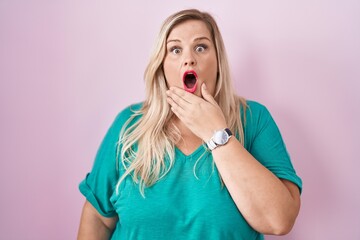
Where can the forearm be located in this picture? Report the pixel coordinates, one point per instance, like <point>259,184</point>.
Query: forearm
<point>262,198</point>
<point>267,203</point>
<point>93,227</point>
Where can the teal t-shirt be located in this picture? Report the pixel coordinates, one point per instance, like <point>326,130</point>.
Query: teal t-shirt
<point>183,205</point>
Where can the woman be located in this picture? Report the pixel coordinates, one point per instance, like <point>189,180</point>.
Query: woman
<point>193,161</point>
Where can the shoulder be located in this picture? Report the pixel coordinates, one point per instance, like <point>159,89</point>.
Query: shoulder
<point>254,106</point>
<point>257,118</point>
<point>129,113</point>
<point>256,111</point>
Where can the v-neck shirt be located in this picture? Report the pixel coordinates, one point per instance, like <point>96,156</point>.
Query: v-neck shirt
<point>190,201</point>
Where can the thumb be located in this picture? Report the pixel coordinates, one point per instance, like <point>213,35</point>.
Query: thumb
<point>206,95</point>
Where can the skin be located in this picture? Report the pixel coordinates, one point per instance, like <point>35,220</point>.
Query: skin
<point>188,44</point>
<point>93,226</point>
<point>269,204</point>
<point>190,47</point>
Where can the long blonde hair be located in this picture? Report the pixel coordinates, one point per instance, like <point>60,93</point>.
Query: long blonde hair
<point>143,145</point>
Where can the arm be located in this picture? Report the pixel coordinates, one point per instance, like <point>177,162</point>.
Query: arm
<point>270,205</point>
<point>93,225</point>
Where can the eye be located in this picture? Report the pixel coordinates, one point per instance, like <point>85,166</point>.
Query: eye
<point>175,50</point>
<point>201,48</point>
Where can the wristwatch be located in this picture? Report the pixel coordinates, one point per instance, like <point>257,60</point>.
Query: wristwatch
<point>219,138</point>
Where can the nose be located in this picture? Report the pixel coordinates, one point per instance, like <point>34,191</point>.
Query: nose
<point>189,59</point>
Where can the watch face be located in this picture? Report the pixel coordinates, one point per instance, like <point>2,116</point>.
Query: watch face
<point>221,137</point>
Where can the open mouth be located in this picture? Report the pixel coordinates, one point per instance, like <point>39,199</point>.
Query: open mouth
<point>190,81</point>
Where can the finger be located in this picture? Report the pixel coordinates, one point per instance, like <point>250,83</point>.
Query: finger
<point>178,112</point>
<point>189,97</point>
<point>172,103</point>
<point>206,95</point>
<point>178,99</point>
<point>175,107</point>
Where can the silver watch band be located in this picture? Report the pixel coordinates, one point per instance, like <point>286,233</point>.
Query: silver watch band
<point>220,137</point>
<point>211,144</point>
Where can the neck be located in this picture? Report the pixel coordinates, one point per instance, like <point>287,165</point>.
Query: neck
<point>189,141</point>
<point>184,130</point>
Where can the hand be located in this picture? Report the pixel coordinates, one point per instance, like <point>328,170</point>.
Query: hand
<point>202,116</point>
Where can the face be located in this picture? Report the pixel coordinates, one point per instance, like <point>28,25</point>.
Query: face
<point>190,58</point>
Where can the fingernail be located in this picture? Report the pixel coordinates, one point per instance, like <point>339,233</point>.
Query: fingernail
<point>204,86</point>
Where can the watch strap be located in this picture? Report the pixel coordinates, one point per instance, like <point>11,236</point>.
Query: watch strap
<point>212,144</point>
<point>228,132</point>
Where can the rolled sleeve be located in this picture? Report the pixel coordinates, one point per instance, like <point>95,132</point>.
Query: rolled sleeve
<point>99,184</point>
<point>266,144</point>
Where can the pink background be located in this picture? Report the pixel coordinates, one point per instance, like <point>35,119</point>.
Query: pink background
<point>68,67</point>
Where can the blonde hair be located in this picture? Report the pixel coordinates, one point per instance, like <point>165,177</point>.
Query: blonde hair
<point>153,132</point>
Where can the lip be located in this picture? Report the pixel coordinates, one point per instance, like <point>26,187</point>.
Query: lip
<point>193,89</point>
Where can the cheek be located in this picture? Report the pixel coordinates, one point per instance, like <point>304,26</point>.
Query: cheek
<point>167,71</point>
<point>211,76</point>
<point>214,64</point>
<point>171,72</point>
<point>211,73</point>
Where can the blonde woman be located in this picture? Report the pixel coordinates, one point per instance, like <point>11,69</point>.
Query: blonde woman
<point>193,161</point>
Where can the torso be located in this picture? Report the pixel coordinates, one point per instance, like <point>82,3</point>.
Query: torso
<point>190,202</point>
<point>188,146</point>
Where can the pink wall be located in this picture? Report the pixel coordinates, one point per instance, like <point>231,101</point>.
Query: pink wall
<point>68,67</point>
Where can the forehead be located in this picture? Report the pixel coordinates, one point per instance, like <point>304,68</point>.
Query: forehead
<point>190,29</point>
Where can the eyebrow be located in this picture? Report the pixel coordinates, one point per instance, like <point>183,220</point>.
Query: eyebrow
<point>195,40</point>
